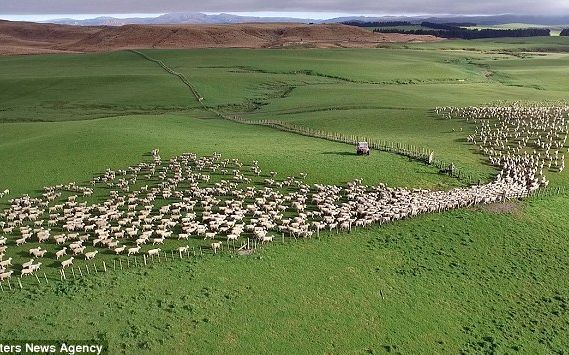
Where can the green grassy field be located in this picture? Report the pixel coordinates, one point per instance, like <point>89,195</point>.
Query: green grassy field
<point>482,280</point>
<point>78,87</point>
<point>507,46</point>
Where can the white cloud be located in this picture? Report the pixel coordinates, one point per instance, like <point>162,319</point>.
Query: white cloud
<point>525,7</point>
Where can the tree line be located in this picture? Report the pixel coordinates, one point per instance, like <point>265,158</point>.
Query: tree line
<point>402,24</point>
<point>452,31</point>
<point>377,23</point>
<point>565,32</point>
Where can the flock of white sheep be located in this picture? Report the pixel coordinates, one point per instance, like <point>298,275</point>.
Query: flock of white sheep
<point>135,210</point>
<point>524,141</point>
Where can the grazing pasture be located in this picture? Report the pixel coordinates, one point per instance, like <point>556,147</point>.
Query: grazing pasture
<point>479,279</point>
<point>80,87</point>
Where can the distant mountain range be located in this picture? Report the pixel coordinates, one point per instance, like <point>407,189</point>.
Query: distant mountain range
<point>200,18</point>
<point>176,19</point>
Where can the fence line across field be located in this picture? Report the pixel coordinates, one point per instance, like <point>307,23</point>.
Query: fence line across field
<point>421,154</point>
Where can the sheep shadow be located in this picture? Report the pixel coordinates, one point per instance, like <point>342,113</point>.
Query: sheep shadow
<point>340,153</point>
<point>54,264</point>
<point>24,254</point>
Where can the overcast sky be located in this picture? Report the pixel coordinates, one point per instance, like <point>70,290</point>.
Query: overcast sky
<point>376,7</point>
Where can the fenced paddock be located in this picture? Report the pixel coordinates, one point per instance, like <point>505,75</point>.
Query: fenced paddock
<point>190,197</point>
<point>420,154</point>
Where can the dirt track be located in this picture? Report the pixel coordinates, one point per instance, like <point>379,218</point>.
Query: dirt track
<point>33,38</point>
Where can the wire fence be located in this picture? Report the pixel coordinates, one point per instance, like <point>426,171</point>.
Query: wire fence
<point>410,151</point>
<point>93,267</point>
<point>548,192</point>
<point>96,267</point>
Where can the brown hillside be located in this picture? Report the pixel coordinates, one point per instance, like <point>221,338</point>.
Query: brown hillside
<point>31,38</point>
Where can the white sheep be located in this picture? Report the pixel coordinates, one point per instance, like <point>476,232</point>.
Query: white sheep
<point>76,245</point>
<point>216,246</point>
<point>7,262</point>
<point>6,275</point>
<point>79,250</point>
<point>67,263</point>
<point>61,253</point>
<point>91,255</point>
<point>133,251</point>
<point>35,267</point>
<point>158,241</point>
<point>39,253</point>
<point>26,272</point>
<point>153,252</point>
<point>27,264</point>
<point>42,237</point>
<point>182,250</point>
<point>183,236</point>
<point>267,239</point>
<point>210,235</point>
<point>60,240</point>
<point>119,250</point>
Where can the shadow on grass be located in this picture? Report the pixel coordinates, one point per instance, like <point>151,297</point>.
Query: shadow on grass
<point>339,153</point>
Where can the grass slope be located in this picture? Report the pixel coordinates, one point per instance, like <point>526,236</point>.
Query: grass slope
<point>487,280</point>
<point>449,283</point>
<point>78,87</point>
<point>39,154</point>
<point>382,94</point>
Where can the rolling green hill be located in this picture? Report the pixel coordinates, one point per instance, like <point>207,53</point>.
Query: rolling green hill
<point>489,279</point>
